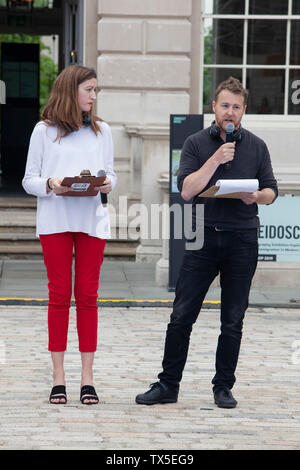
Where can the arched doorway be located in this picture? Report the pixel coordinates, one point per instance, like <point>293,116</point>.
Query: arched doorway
<point>60,20</point>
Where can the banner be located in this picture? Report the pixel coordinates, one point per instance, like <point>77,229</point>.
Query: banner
<point>279,232</point>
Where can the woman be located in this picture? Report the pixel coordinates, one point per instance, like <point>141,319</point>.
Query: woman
<point>71,138</point>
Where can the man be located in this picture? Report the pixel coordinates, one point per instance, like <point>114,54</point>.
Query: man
<point>230,243</point>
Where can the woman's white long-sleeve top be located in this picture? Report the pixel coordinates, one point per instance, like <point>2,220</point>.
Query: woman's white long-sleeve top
<point>50,157</point>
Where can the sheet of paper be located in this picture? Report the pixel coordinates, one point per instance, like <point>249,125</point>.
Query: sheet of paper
<point>236,186</point>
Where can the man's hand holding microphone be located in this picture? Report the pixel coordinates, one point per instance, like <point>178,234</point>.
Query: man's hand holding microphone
<point>225,153</point>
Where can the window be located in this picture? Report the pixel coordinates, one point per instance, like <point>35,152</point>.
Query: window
<point>258,42</point>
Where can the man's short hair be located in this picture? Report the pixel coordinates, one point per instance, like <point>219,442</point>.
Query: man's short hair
<point>234,86</point>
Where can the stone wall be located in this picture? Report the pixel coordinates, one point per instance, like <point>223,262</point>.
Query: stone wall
<point>148,55</point>
<point>144,75</point>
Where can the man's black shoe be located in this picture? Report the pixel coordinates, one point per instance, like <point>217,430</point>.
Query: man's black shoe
<point>158,393</point>
<point>224,398</point>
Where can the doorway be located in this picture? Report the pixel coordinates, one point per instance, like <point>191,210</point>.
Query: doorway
<point>37,40</point>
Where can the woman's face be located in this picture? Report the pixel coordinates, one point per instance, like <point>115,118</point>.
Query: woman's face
<point>87,94</point>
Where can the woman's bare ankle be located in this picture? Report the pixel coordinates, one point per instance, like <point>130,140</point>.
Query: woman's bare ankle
<point>58,377</point>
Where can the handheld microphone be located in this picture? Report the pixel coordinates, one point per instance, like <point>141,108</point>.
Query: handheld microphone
<point>229,138</point>
<point>229,132</point>
<point>103,195</point>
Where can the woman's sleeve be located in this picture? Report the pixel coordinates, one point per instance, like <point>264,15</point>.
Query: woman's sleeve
<point>32,182</point>
<point>109,156</point>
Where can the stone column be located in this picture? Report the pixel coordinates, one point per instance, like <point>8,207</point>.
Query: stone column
<point>144,76</point>
<point>91,20</point>
<point>162,265</point>
<point>154,160</point>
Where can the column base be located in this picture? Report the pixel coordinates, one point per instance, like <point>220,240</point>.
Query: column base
<point>148,254</point>
<point>162,272</point>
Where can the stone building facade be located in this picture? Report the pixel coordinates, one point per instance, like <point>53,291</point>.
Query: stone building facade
<point>148,55</point>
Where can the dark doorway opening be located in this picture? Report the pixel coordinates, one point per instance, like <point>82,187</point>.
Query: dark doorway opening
<point>20,73</point>
<point>59,19</point>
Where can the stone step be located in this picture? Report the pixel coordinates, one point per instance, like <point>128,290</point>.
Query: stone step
<point>17,218</point>
<point>7,230</point>
<point>25,202</point>
<point>9,236</point>
<point>26,248</point>
<point>18,232</point>
<point>26,217</point>
<point>27,237</point>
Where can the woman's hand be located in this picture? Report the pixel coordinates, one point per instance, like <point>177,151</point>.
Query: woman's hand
<point>105,188</point>
<point>57,188</point>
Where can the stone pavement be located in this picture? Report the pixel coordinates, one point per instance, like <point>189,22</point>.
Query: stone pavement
<point>124,280</point>
<point>129,357</point>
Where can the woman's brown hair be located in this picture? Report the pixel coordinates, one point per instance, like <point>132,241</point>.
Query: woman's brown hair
<point>62,109</point>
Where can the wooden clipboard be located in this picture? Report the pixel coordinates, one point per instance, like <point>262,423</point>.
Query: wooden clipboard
<point>83,185</point>
<point>211,192</point>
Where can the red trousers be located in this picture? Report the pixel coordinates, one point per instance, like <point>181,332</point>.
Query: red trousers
<point>58,257</point>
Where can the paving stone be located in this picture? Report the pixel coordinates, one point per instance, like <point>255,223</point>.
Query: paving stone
<point>131,342</point>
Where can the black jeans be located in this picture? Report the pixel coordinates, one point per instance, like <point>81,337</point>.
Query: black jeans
<point>233,254</point>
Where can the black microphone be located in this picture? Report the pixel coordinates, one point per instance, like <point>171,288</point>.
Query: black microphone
<point>229,138</point>
<point>103,195</point>
<point>229,132</point>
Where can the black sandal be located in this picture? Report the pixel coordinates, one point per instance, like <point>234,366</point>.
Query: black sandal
<point>88,392</point>
<point>58,392</point>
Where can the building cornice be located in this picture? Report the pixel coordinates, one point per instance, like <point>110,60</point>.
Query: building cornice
<point>148,132</point>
